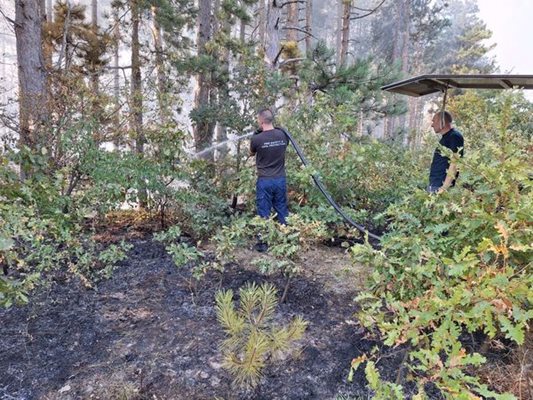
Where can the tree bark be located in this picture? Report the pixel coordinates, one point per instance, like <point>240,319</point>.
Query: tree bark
<point>46,16</point>
<point>262,13</point>
<point>136,91</point>
<point>340,14</point>
<point>405,67</point>
<point>223,91</point>
<point>49,10</point>
<point>345,38</point>
<point>116,72</point>
<point>95,73</point>
<point>33,104</point>
<point>204,127</point>
<point>308,25</point>
<point>400,54</point>
<point>272,34</point>
<point>292,21</point>
<point>242,32</point>
<point>160,67</point>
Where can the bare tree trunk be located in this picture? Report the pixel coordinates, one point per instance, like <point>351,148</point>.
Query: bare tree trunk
<point>116,72</point>
<point>340,17</point>
<point>42,12</point>
<point>308,25</point>
<point>49,10</point>
<point>345,38</point>
<point>399,54</point>
<point>94,13</point>
<point>292,21</point>
<point>94,70</point>
<point>159,63</point>
<point>405,67</point>
<point>136,91</point>
<point>203,130</point>
<point>262,14</point>
<point>65,50</point>
<point>273,26</point>
<point>242,31</point>
<point>33,104</point>
<point>223,94</point>
<point>46,38</point>
<point>217,93</point>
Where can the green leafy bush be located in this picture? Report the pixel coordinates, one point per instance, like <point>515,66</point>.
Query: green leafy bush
<point>362,174</point>
<point>38,238</point>
<point>285,243</point>
<point>454,263</point>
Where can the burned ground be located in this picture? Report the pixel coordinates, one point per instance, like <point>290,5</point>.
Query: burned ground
<point>143,334</point>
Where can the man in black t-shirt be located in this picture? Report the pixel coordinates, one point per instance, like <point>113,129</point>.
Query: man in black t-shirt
<point>269,146</point>
<point>443,173</point>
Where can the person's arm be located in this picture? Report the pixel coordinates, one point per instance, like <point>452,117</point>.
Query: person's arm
<point>252,147</point>
<point>450,176</point>
<point>456,146</point>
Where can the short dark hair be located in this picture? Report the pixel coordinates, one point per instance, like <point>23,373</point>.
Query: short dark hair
<point>266,115</point>
<point>446,115</point>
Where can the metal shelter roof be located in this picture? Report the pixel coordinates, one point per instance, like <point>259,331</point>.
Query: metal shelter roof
<point>427,84</point>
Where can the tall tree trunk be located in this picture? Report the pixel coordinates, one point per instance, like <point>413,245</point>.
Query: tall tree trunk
<point>65,51</point>
<point>347,8</point>
<point>242,32</point>
<point>204,127</point>
<point>116,73</point>
<point>399,53</point>
<point>262,14</point>
<point>42,12</point>
<point>95,73</point>
<point>33,104</point>
<point>159,63</point>
<point>136,91</point>
<point>292,21</point>
<point>405,67</point>
<point>50,10</point>
<point>46,16</point>
<point>340,11</point>
<point>308,25</point>
<point>272,35</point>
<point>223,91</point>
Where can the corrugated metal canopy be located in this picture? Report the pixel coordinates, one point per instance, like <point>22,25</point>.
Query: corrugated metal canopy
<point>427,84</point>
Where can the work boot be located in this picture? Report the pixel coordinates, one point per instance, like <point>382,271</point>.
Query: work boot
<point>261,247</point>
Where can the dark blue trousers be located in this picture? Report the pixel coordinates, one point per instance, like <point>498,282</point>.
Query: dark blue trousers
<point>272,193</point>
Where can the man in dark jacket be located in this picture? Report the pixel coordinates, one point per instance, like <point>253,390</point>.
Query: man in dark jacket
<point>269,146</point>
<point>443,172</point>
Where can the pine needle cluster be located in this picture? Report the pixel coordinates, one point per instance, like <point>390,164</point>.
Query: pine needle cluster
<point>253,337</point>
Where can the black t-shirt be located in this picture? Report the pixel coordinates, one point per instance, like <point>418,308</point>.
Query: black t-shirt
<point>440,164</point>
<point>269,147</point>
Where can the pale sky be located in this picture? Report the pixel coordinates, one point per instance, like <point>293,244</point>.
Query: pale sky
<point>511,23</point>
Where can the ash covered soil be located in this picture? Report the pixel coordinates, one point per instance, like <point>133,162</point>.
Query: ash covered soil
<point>143,334</point>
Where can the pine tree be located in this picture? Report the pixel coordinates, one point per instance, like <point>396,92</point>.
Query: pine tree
<point>462,47</point>
<point>252,335</point>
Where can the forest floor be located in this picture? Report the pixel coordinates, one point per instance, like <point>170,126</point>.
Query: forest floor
<point>143,334</point>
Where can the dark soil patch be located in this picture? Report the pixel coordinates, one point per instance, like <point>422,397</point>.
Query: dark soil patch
<point>142,334</point>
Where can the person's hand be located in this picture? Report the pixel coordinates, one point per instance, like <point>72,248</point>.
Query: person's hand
<point>441,190</point>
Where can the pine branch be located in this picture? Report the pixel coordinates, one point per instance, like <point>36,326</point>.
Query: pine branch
<point>231,322</point>
<point>249,302</point>
<point>267,298</point>
<point>282,337</point>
